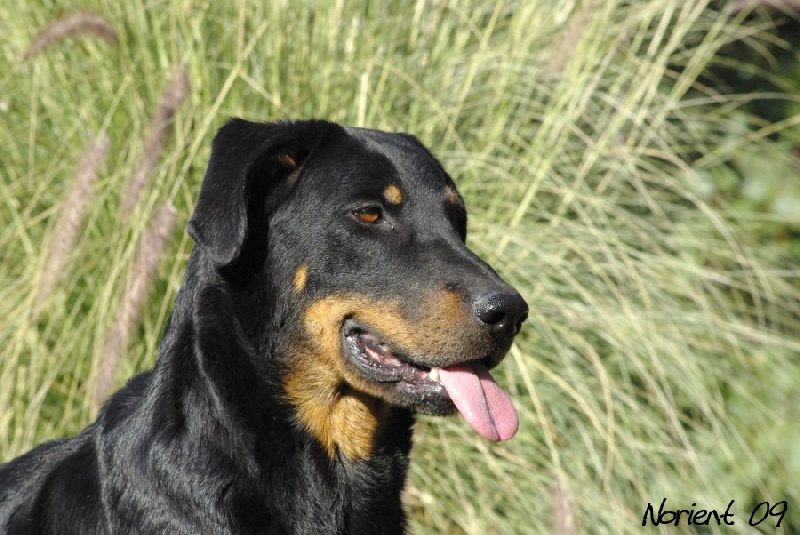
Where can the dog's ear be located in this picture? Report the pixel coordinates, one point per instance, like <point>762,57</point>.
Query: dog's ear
<point>249,161</point>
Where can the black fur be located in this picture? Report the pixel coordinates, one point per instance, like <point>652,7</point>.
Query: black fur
<point>207,442</point>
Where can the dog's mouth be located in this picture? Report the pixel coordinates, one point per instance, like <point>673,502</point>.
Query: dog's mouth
<point>466,386</point>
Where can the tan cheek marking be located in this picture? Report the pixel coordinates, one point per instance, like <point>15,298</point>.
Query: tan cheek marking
<point>355,422</point>
<point>300,277</point>
<point>339,418</point>
<point>342,410</point>
<point>442,326</point>
<point>452,195</point>
<point>393,194</point>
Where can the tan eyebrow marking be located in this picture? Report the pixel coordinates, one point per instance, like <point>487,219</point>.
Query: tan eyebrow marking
<point>393,194</point>
<point>452,195</point>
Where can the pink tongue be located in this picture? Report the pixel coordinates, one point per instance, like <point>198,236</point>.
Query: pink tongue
<point>479,399</point>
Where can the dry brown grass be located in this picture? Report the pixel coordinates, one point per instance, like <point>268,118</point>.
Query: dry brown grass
<point>153,245</point>
<point>158,133</point>
<point>67,227</point>
<point>71,25</point>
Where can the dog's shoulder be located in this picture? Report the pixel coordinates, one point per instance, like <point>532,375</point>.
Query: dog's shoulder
<point>62,472</point>
<point>57,485</point>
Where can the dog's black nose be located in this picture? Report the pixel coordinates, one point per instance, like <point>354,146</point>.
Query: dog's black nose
<point>503,313</point>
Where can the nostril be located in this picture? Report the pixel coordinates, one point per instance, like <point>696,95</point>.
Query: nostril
<point>520,321</point>
<point>523,315</point>
<point>491,316</point>
<point>501,312</point>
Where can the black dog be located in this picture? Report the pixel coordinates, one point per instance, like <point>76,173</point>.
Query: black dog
<point>329,298</point>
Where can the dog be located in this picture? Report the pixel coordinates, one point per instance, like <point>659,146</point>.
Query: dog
<point>329,298</point>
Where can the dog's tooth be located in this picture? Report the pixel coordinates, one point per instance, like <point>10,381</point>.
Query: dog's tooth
<point>434,375</point>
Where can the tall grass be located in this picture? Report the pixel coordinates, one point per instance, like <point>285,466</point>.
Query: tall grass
<point>660,357</point>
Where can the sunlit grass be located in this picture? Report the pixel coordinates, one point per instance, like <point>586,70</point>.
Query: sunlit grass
<point>660,357</point>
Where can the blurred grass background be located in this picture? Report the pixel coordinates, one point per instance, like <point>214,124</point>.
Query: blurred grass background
<point>632,167</point>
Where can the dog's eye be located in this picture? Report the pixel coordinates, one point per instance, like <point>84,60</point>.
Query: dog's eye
<point>368,215</point>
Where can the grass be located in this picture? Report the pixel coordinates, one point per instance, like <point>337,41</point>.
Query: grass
<point>660,357</point>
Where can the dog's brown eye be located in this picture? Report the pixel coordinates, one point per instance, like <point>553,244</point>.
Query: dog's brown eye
<point>368,215</point>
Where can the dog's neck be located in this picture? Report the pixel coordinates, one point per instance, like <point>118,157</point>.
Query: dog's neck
<point>238,407</point>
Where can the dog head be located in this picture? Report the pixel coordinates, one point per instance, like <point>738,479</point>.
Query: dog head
<point>359,236</point>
